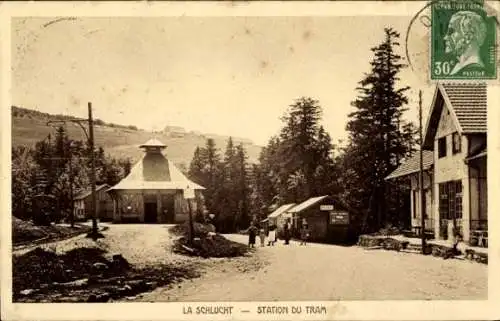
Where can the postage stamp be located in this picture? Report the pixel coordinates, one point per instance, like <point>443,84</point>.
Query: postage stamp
<point>463,41</point>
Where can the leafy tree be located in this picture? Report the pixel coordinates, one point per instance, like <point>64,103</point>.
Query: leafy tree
<point>298,163</point>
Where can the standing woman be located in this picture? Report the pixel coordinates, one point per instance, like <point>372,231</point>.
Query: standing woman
<point>272,235</point>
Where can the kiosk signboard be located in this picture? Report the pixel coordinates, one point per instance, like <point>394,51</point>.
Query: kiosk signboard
<point>339,218</point>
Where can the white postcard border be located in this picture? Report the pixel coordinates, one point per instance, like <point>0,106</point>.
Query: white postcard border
<point>345,310</point>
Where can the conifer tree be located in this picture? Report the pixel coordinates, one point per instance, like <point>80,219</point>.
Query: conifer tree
<point>377,137</point>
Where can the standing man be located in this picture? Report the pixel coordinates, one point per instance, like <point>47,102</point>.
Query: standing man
<point>287,231</point>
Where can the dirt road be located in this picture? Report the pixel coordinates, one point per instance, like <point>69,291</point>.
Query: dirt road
<point>327,272</point>
<point>312,272</point>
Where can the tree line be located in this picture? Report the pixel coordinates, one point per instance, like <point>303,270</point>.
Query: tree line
<point>53,167</point>
<point>302,162</point>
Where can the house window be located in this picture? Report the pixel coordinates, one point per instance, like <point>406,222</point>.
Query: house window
<point>442,147</point>
<point>450,200</point>
<point>443,201</point>
<point>457,143</point>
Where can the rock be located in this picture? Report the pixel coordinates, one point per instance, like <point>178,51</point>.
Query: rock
<point>77,283</point>
<point>27,291</point>
<point>92,298</point>
<point>104,297</point>
<point>100,265</point>
<point>137,285</point>
<point>151,285</point>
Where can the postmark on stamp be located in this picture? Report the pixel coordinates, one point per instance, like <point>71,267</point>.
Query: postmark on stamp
<point>463,41</point>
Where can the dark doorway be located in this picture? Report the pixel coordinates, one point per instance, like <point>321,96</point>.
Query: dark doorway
<point>150,212</point>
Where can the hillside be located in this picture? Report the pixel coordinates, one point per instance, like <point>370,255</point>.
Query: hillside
<point>30,126</point>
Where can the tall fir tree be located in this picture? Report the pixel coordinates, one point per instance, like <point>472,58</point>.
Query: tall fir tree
<point>242,188</point>
<point>377,137</point>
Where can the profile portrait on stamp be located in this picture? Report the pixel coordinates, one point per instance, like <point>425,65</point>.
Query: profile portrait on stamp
<point>463,41</point>
<point>465,36</point>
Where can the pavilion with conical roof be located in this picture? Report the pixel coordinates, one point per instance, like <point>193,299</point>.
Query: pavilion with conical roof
<point>153,191</point>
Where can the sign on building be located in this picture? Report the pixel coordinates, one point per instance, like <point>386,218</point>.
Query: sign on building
<point>326,207</point>
<point>339,218</point>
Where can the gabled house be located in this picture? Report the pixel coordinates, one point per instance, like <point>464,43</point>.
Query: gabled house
<point>104,204</point>
<point>153,191</point>
<point>327,218</point>
<point>455,169</point>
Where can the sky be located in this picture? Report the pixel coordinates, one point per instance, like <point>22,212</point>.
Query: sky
<point>225,75</point>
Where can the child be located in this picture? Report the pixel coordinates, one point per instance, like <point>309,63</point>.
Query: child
<point>252,233</point>
<point>262,234</point>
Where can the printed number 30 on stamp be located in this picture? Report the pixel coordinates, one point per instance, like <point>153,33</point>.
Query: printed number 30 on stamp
<point>463,41</point>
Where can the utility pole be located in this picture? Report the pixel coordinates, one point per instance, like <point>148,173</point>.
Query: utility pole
<point>189,193</point>
<point>93,207</point>
<point>421,172</point>
<point>191,225</point>
<point>71,179</point>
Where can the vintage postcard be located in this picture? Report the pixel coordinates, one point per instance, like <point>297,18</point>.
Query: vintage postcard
<point>250,160</point>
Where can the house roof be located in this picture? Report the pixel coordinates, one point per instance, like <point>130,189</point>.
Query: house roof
<point>155,171</point>
<point>280,210</point>
<point>308,203</point>
<point>88,191</point>
<point>467,104</point>
<point>153,142</point>
<point>412,164</point>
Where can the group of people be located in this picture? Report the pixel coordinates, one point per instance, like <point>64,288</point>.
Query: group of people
<point>254,231</point>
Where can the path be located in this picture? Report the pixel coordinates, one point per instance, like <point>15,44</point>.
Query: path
<point>140,244</point>
<point>327,272</point>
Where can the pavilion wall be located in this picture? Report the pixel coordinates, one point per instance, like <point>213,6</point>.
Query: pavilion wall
<point>129,205</point>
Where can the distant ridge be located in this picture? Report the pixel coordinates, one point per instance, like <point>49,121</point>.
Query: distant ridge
<point>30,126</point>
